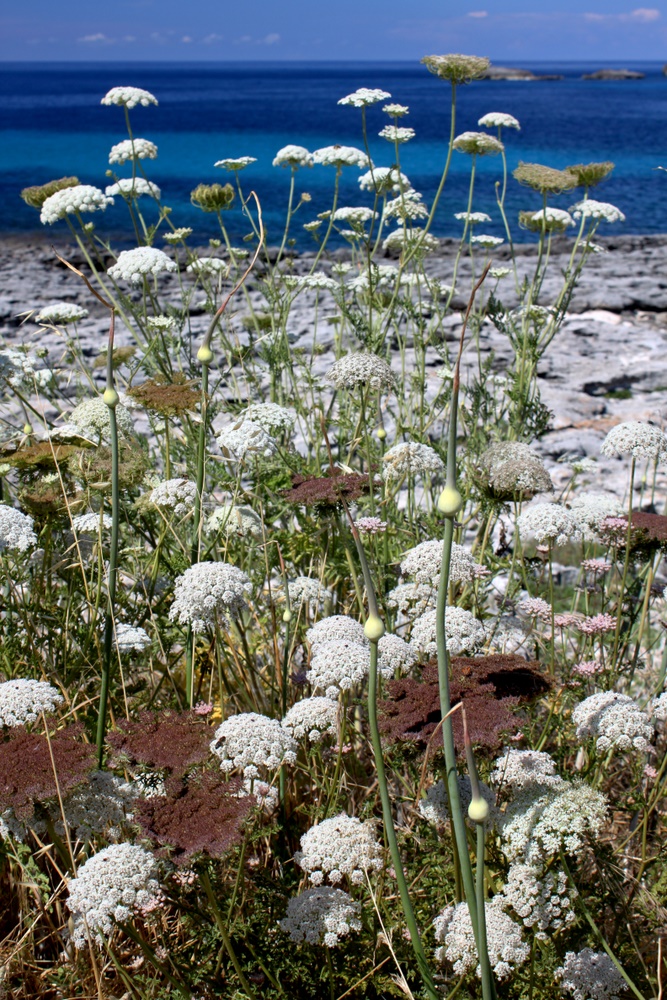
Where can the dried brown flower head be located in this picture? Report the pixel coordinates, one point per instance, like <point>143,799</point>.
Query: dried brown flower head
<point>170,741</point>
<point>546,180</point>
<point>327,491</point>
<point>27,771</point>
<point>45,497</point>
<point>94,466</point>
<point>590,174</point>
<point>41,454</point>
<point>119,356</point>
<point>203,816</point>
<point>457,68</point>
<point>648,529</point>
<point>491,687</point>
<point>168,398</point>
<point>36,195</point>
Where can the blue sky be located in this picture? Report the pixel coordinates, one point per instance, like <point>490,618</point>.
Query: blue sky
<point>516,30</point>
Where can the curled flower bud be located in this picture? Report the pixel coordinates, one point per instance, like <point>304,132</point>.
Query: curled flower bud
<point>212,197</point>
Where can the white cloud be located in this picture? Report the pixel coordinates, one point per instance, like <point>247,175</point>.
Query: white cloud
<point>212,39</point>
<point>641,15</point>
<point>130,38</point>
<point>645,14</point>
<point>478,13</point>
<point>98,37</point>
<point>271,39</point>
<point>186,38</point>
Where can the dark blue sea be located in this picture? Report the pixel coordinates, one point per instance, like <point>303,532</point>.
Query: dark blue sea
<point>52,124</point>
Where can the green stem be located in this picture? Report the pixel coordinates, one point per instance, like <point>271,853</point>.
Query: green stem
<point>226,940</point>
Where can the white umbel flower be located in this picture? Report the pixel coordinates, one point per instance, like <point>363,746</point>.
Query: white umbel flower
<point>395,654</point>
<point>177,494</point>
<point>109,888</point>
<point>208,265</point>
<point>384,180</point>
<point>553,219</point>
<point>244,439</point>
<point>100,806</point>
<point>340,156</point>
<point>498,119</point>
<point>354,215</point>
<point>364,97</point>
<point>336,627</point>
<point>412,599</point>
<point>312,719</point>
<point>434,807</point>
<point>543,902</point>
<point>361,369</point>
<point>506,948</point>
<point>519,768</point>
<point>293,156</point>
<point>406,207</point>
<point>60,314</point>
<point>339,847</point>
<point>659,707</point>
<point>135,265</point>
<point>424,561</point>
<point>133,187</point>
<point>405,238</point>
<point>542,821</point>
<point>233,520</point>
<point>636,438</point>
<point>472,218</point>
<point>486,242</point>
<point>23,700</point>
<point>409,458</point>
<point>130,638</point>
<point>234,164</point>
<point>73,201</point>
<point>590,975</point>
<point>91,522</point>
<point>19,370</point>
<point>91,419</point>
<point>477,144</point>
<point>16,531</point>
<point>305,590</point>
<point>321,916</point>
<point>614,720</point>
<point>275,419</point>
<point>208,592</point>
<point>396,134</point>
<point>254,743</point>
<point>548,524</point>
<point>590,509</point>
<point>132,149</point>
<point>590,209</point>
<point>464,633</point>
<point>337,665</point>
<point>128,97</point>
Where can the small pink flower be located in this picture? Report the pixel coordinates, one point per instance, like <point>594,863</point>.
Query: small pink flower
<point>370,525</point>
<point>535,607</point>
<point>597,624</point>
<point>596,566</point>
<point>650,772</point>
<point>566,620</point>
<point>203,708</point>
<point>587,668</point>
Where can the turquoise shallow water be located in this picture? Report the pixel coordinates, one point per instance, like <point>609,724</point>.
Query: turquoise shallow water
<point>51,123</point>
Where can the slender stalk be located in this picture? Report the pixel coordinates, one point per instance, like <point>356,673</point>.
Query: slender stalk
<point>224,934</point>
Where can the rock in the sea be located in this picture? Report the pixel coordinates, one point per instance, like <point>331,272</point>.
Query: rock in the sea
<point>614,74</point>
<point>514,73</point>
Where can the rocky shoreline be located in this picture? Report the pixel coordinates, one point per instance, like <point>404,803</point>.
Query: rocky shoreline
<point>608,363</point>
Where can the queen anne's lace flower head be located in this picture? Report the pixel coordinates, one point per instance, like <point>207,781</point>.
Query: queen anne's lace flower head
<point>548,524</point>
<point>411,599</point>
<point>337,665</point>
<point>408,206</point>
<point>414,238</point>
<point>109,887</point>
<point>590,209</point>
<point>128,97</point>
<point>275,419</point>
<point>177,494</point>
<point>293,156</point>
<point>457,68</point>
<point>101,806</point>
<point>396,134</point>
<point>72,201</point>
<point>60,314</point>
<point>19,370</point>
<point>208,265</point>
<point>305,590</point>
<point>454,932</point>
<point>16,531</point>
<point>363,98</point>
<point>590,510</point>
<point>464,633</point>
<point>544,903</point>
<point>135,265</point>
<point>133,187</point>
<point>614,720</point>
<point>424,561</point>
<point>341,156</point>
<point>396,110</point>
<point>354,215</point>
<point>486,242</point>
<point>477,144</point>
<point>498,119</point>
<point>235,520</point>
<point>590,975</point>
<point>542,821</point>
<point>636,438</point>
<point>245,438</point>
<point>518,768</point>
<point>384,180</point>
<point>91,419</point>
<point>132,149</point>
<point>552,219</point>
<point>472,218</point>
<point>91,522</point>
<point>336,627</point>
<point>130,638</point>
<point>234,164</point>
<point>209,591</point>
<point>410,458</point>
<point>321,916</point>
<point>23,700</point>
<point>434,807</point>
<point>312,719</point>
<point>659,707</point>
<point>395,654</point>
<point>338,847</point>
<point>253,742</point>
<point>361,369</point>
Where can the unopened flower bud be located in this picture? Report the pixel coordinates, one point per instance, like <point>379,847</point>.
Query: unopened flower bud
<point>27,430</point>
<point>110,397</point>
<point>450,501</point>
<point>478,810</point>
<point>212,197</point>
<point>205,354</point>
<point>287,617</point>
<point>381,433</point>
<point>374,628</point>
